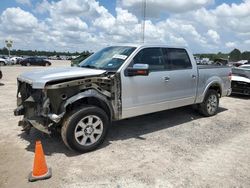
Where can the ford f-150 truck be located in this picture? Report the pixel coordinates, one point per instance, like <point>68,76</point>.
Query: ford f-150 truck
<point>115,83</point>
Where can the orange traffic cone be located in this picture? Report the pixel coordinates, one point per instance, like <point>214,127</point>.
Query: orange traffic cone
<point>40,170</point>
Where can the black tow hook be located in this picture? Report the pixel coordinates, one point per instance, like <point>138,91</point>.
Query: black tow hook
<point>19,111</point>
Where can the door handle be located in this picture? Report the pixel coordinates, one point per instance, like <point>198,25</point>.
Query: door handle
<point>166,79</point>
<point>194,76</point>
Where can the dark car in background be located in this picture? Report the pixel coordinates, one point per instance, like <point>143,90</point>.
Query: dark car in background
<point>220,61</point>
<point>34,61</point>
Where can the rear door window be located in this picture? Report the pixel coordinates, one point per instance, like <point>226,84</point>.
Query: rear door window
<point>177,58</point>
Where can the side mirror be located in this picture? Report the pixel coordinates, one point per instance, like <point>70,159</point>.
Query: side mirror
<point>137,70</point>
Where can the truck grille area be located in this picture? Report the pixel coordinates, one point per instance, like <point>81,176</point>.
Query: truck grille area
<point>25,90</point>
<point>31,100</point>
<point>240,87</point>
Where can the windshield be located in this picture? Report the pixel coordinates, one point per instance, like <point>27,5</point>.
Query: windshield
<point>110,58</point>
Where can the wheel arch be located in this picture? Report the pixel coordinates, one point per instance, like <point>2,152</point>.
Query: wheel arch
<point>214,86</point>
<point>90,97</point>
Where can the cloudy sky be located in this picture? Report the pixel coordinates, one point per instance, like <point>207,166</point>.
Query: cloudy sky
<point>77,25</point>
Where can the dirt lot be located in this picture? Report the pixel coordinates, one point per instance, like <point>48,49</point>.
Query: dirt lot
<point>175,148</point>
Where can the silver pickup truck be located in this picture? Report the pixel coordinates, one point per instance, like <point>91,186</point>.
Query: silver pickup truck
<point>115,83</point>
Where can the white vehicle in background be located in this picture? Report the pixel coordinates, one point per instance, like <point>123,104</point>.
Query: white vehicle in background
<point>15,60</point>
<point>241,80</point>
<point>3,62</point>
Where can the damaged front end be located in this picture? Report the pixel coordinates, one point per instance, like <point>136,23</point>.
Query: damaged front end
<point>45,108</point>
<point>33,104</point>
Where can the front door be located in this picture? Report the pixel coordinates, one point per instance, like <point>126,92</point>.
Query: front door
<point>145,94</point>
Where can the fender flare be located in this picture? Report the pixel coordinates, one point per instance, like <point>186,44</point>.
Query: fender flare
<point>208,86</point>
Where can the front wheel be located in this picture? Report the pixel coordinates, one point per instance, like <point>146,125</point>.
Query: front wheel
<point>209,106</point>
<point>85,129</point>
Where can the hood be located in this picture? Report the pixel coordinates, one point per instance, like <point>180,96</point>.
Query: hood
<point>38,79</point>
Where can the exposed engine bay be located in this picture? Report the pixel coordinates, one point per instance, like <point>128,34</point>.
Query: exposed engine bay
<point>45,108</point>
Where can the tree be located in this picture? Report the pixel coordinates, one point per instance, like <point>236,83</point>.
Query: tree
<point>235,55</point>
<point>245,55</point>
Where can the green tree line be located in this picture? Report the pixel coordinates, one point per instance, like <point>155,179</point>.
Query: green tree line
<point>234,55</point>
<point>14,52</point>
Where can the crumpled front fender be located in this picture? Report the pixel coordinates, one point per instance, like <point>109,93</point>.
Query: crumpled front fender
<point>87,94</point>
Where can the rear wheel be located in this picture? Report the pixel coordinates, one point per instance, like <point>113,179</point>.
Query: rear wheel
<point>27,64</point>
<point>2,63</point>
<point>209,106</point>
<point>85,129</point>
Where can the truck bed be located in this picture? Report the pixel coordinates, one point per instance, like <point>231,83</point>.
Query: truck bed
<point>212,73</point>
<point>212,66</point>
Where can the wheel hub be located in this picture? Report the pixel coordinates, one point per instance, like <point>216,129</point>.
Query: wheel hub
<point>89,130</point>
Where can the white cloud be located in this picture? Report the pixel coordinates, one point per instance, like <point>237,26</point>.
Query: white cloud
<point>24,2</point>
<point>231,44</point>
<point>42,7</point>
<point>155,7</point>
<point>215,37</point>
<point>17,20</point>
<point>238,10</point>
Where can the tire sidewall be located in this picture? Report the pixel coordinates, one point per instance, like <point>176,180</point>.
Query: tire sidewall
<point>211,92</point>
<point>72,123</point>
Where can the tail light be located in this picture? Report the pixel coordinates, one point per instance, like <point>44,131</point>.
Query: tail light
<point>230,75</point>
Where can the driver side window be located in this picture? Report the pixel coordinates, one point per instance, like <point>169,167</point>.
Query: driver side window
<point>151,56</point>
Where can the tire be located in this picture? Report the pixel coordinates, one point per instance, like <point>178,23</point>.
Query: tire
<point>79,134</point>
<point>46,64</point>
<point>2,63</point>
<point>209,107</point>
<point>27,64</point>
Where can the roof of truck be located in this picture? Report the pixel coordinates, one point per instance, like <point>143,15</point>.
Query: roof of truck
<point>147,45</point>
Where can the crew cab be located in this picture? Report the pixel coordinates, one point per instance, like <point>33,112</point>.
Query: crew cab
<point>115,83</point>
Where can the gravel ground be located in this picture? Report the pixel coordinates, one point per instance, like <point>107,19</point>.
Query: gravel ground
<point>175,148</point>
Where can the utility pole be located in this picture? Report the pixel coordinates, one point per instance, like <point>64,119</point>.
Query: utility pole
<point>143,20</point>
<point>9,45</point>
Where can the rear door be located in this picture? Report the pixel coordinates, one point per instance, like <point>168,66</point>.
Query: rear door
<point>181,76</point>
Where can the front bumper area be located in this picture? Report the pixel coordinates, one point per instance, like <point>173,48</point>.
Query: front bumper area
<point>31,104</point>
<point>19,111</point>
<point>26,124</point>
<point>242,88</point>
